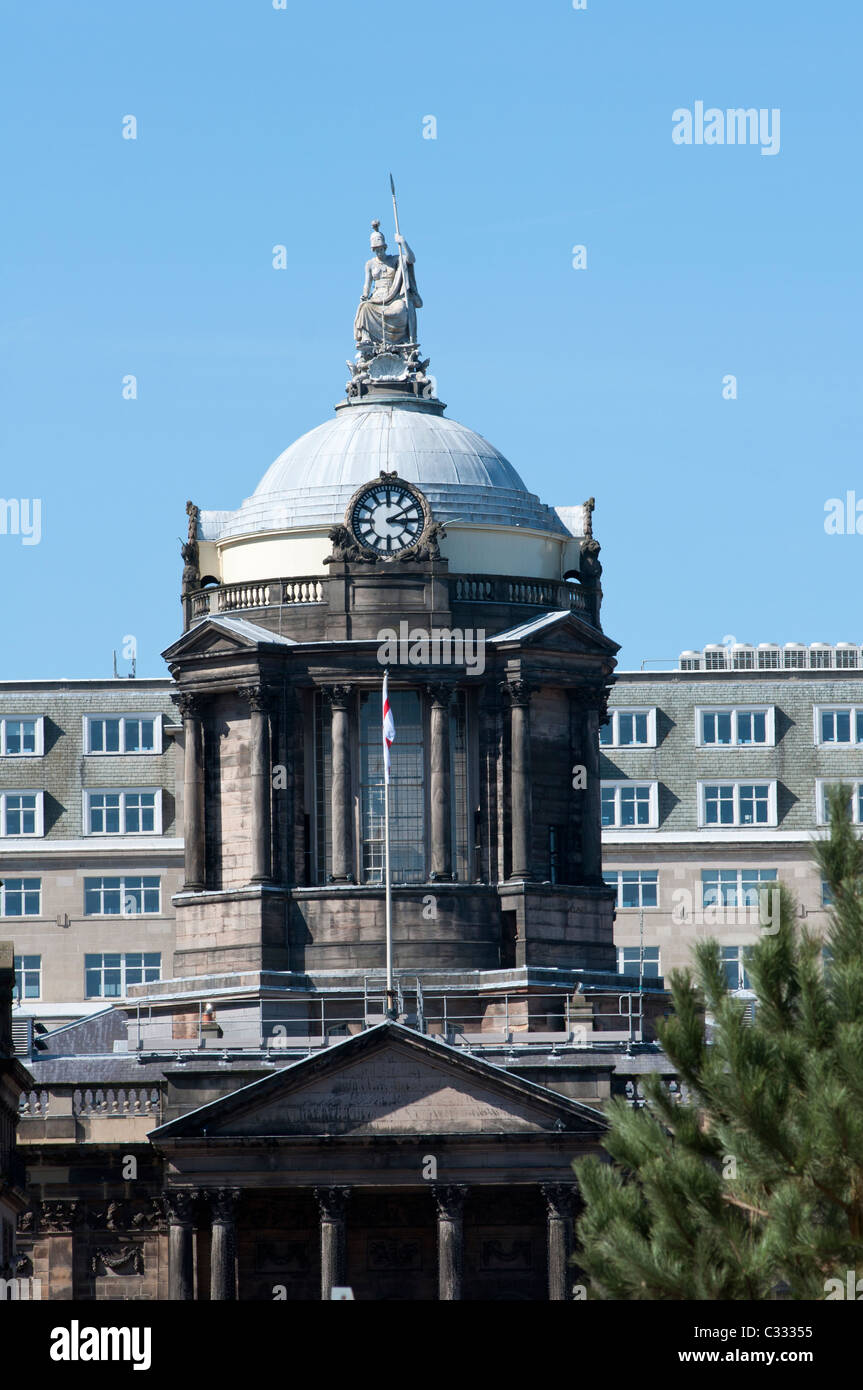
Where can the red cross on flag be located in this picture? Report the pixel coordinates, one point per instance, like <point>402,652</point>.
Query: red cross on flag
<point>389,730</point>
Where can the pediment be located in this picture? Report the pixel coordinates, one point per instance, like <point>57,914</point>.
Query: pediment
<point>561,631</point>
<point>224,635</point>
<point>388,1082</point>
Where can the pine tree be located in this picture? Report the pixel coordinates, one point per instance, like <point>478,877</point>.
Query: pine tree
<point>752,1188</point>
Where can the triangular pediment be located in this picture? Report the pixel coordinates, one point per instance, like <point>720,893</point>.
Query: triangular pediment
<point>224,635</point>
<point>387,1082</point>
<point>560,630</point>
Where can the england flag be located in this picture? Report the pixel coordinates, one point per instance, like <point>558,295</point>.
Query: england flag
<point>389,730</point>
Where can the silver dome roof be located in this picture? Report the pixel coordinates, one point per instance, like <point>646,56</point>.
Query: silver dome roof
<point>310,484</point>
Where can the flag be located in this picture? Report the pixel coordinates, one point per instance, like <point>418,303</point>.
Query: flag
<point>389,729</point>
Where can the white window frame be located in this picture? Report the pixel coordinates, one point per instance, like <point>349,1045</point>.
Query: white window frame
<point>38,720</point>
<point>22,956</point>
<point>125,892</point>
<point>40,812</point>
<point>653,804</point>
<point>124,969</point>
<point>122,752</point>
<point>738,889</point>
<point>821,785</point>
<point>622,969</point>
<point>614,723</point>
<point>618,874</point>
<point>122,792</point>
<point>818,710</point>
<point>737,783</point>
<point>735,711</point>
<point>4,889</point>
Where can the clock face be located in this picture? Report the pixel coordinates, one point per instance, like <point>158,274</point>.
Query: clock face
<point>387,518</point>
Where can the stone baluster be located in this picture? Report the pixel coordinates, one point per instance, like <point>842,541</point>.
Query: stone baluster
<point>449,1202</point>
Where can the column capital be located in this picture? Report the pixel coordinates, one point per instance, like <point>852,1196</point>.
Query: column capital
<point>258,696</point>
<point>560,1198</point>
<point>449,1200</point>
<point>518,691</point>
<point>333,1202</point>
<point>179,1203</point>
<point>440,693</point>
<point>223,1204</point>
<point>591,696</point>
<point>189,703</point>
<point>338,696</point>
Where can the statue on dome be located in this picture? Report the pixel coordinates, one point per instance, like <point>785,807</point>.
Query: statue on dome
<point>386,316</point>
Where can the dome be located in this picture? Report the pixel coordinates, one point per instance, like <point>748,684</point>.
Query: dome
<point>462,475</point>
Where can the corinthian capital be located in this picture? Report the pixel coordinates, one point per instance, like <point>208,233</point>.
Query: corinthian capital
<point>333,1202</point>
<point>180,1205</point>
<point>188,703</point>
<point>223,1204</point>
<point>560,1198</point>
<point>518,692</point>
<point>257,696</point>
<point>338,696</point>
<point>449,1200</point>
<point>440,694</point>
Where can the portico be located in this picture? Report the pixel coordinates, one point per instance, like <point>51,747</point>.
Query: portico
<point>393,1164</point>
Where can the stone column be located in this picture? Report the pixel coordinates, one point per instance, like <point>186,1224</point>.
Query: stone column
<point>194,825</point>
<point>260,773</point>
<point>590,704</point>
<point>441,809</point>
<point>339,697</point>
<point>223,1279</point>
<point>519,693</point>
<point>449,1201</point>
<point>180,1208</point>
<point>559,1200</point>
<point>332,1202</point>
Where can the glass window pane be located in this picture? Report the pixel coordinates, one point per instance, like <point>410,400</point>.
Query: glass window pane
<point>608,803</point>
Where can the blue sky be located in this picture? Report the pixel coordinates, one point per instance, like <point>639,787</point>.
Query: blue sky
<point>259,126</point>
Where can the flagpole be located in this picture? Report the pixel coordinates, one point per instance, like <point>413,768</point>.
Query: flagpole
<point>390,992</point>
